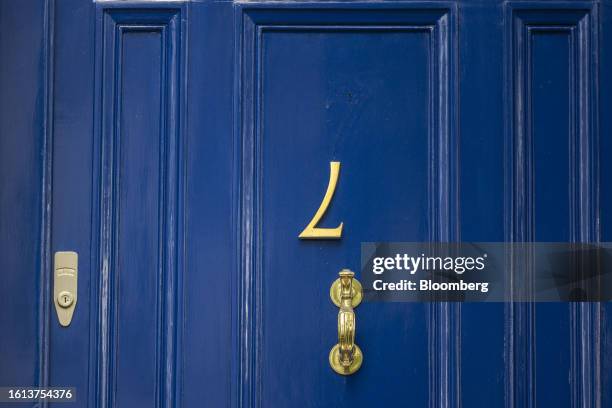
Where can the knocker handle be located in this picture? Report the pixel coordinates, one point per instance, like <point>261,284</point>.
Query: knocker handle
<point>346,292</point>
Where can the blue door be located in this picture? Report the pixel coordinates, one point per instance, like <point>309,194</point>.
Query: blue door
<point>181,149</point>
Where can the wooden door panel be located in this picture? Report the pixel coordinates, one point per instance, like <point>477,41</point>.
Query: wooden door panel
<point>370,87</point>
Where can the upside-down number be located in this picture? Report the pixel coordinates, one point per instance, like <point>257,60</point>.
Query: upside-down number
<point>312,231</point>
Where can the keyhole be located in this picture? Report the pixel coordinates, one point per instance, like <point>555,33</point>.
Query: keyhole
<point>65,299</point>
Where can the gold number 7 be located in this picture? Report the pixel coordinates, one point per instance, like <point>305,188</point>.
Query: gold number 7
<point>312,231</point>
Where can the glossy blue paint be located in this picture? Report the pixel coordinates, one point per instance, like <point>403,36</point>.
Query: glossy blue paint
<point>71,185</point>
<point>553,151</point>
<point>605,189</point>
<point>335,59</point>
<point>23,127</point>
<point>180,148</point>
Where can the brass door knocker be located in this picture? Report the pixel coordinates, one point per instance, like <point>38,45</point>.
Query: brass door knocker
<point>346,292</point>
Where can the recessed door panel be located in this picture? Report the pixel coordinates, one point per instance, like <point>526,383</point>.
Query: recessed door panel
<point>372,92</point>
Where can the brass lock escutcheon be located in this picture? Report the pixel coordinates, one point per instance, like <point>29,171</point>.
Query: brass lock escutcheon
<point>65,276</point>
<point>346,292</point>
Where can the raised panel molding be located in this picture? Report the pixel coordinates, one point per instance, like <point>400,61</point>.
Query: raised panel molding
<point>437,20</point>
<point>153,32</point>
<point>577,22</point>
